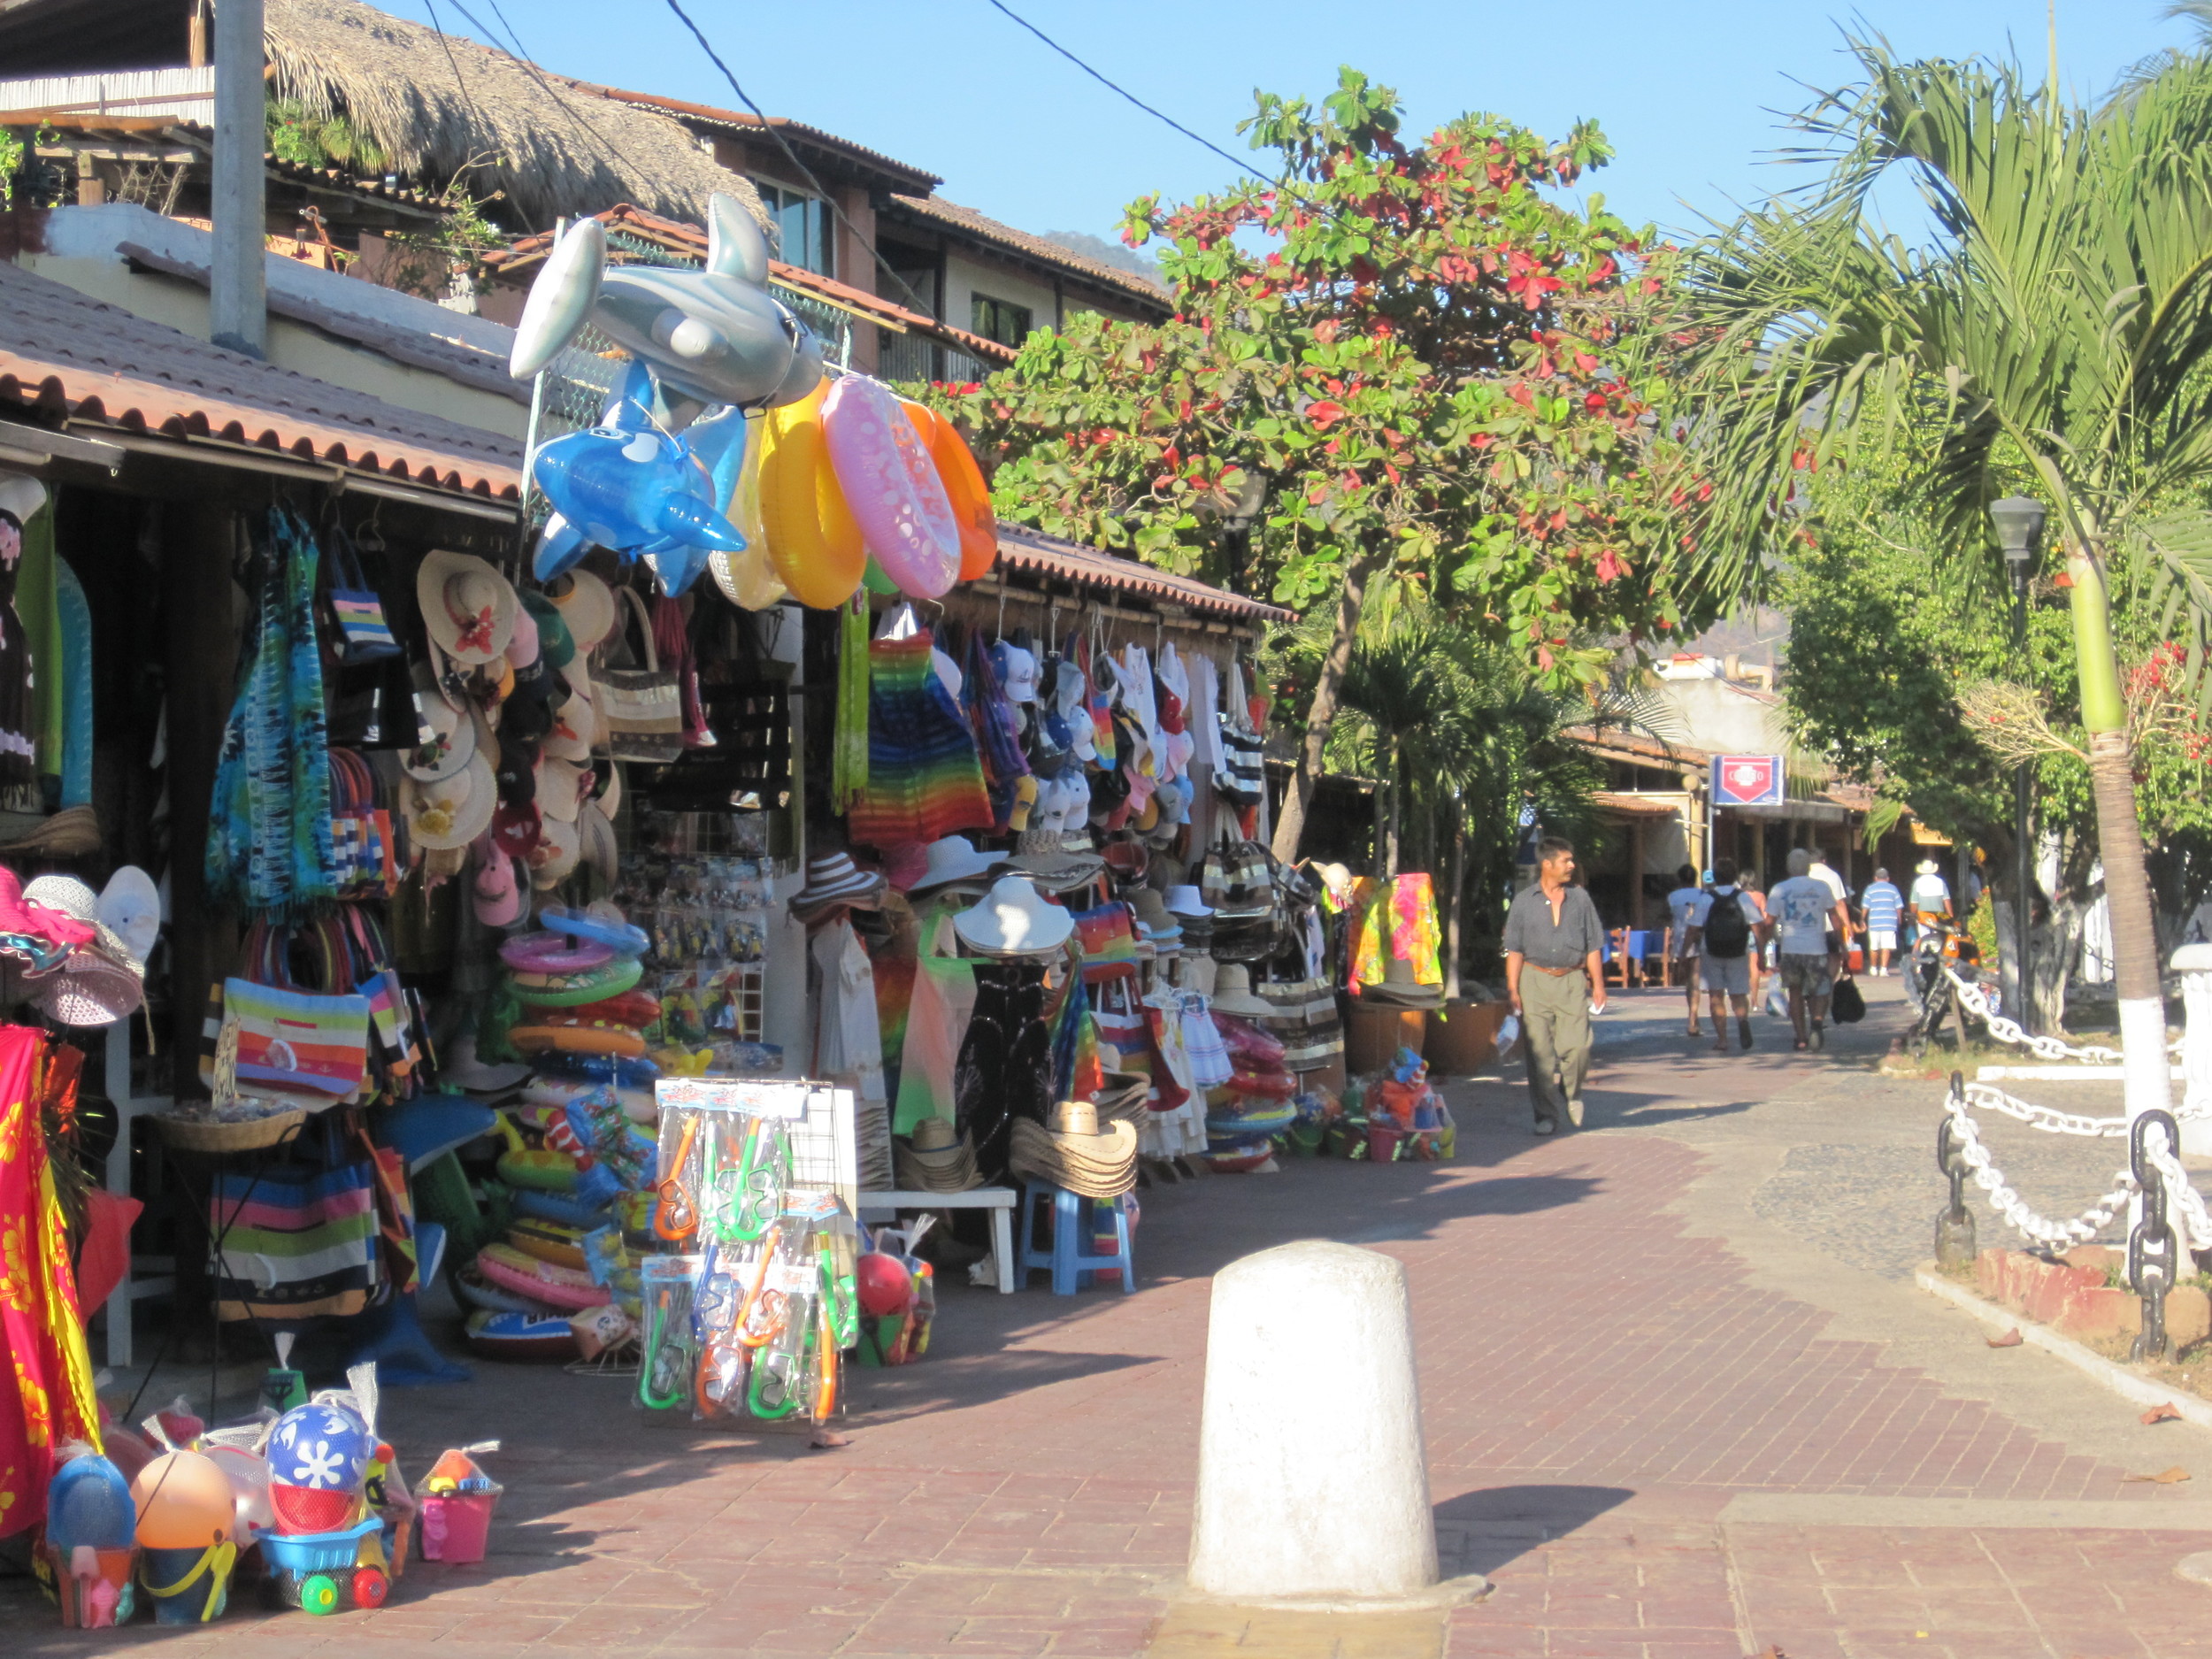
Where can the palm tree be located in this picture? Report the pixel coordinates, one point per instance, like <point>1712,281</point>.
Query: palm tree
<point>2057,330</point>
<point>2148,67</point>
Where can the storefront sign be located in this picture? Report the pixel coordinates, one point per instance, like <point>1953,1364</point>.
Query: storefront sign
<point>1748,780</point>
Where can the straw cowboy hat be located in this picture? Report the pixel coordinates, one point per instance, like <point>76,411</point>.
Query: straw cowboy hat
<point>1232,993</point>
<point>468,606</point>
<point>1013,919</point>
<point>1929,867</point>
<point>1075,1153</point>
<point>586,604</point>
<point>450,811</point>
<point>938,1160</point>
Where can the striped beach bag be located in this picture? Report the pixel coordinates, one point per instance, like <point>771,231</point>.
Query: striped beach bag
<point>296,1240</point>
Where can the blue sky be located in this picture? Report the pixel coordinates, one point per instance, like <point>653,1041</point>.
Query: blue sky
<point>1683,87</point>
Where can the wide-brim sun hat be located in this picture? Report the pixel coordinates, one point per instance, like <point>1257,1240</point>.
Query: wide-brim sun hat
<point>1076,1151</point>
<point>1928,867</point>
<point>597,848</point>
<point>93,989</point>
<point>834,878</point>
<point>586,604</point>
<point>560,849</point>
<point>953,860</point>
<point>561,787</point>
<point>468,607</point>
<point>1013,919</point>
<point>454,730</point>
<point>453,812</point>
<point>938,1159</point>
<point>1232,993</point>
<point>1057,871</point>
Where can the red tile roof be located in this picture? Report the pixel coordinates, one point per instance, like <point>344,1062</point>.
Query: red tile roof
<point>967,221</point>
<point>904,174</point>
<point>1035,553</point>
<point>63,351</point>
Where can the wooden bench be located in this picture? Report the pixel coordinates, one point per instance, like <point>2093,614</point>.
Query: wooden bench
<point>998,1199</point>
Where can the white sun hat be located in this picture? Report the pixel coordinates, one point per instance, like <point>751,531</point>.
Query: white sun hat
<point>1013,919</point>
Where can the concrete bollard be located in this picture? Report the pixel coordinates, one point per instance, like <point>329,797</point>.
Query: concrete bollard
<point>1312,1480</point>
<point>2194,963</point>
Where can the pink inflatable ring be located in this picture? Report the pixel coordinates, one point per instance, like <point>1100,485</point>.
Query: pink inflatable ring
<point>506,1268</point>
<point>891,485</point>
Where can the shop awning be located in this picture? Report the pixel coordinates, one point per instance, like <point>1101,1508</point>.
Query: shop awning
<point>1028,552</point>
<point>1628,803</point>
<point>62,352</point>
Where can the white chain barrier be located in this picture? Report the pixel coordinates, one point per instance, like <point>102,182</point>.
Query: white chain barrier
<point>2084,1227</point>
<point>1976,1002</point>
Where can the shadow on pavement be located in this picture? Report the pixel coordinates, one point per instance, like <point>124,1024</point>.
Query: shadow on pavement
<point>1480,1531</point>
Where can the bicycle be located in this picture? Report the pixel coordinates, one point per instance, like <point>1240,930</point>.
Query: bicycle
<point>1937,946</point>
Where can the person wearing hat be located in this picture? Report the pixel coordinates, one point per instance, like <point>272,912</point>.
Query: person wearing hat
<point>1554,977</point>
<point>1930,896</point>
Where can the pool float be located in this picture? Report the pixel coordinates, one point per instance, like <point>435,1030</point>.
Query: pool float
<point>549,1241</point>
<point>576,990</point>
<point>521,1336</point>
<point>580,1213</point>
<point>634,1009</point>
<point>542,1168</point>
<point>813,540</point>
<point>505,1267</point>
<point>962,479</point>
<point>891,484</point>
<point>552,953</point>
<point>584,1039</point>
<point>610,931</point>
<point>749,579</point>
<point>469,1286</point>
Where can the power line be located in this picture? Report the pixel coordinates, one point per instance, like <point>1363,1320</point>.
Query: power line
<point>523,60</point>
<point>792,155</point>
<point>1118,90</point>
<point>461,80</point>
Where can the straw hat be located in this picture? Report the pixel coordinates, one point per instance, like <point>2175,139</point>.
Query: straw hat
<point>586,604</point>
<point>93,987</point>
<point>1013,919</point>
<point>1398,987</point>
<point>72,832</point>
<point>558,851</point>
<point>468,606</point>
<point>453,733</point>
<point>1232,993</point>
<point>1928,867</point>
<point>953,860</point>
<point>939,1159</point>
<point>1058,871</point>
<point>452,812</point>
<point>1122,1097</point>
<point>562,786</point>
<point>597,844</point>
<point>834,878</point>
<point>1075,1152</point>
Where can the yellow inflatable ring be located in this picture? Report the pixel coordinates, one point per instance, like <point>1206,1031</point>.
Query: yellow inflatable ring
<point>577,1040</point>
<point>963,479</point>
<point>813,540</point>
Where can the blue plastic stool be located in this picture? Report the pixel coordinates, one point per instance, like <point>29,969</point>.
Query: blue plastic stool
<point>1071,1257</point>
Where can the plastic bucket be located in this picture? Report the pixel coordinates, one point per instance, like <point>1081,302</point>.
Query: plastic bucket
<point>98,1603</point>
<point>186,1587</point>
<point>456,1527</point>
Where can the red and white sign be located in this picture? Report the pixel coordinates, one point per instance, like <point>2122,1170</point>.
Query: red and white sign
<point>1748,780</point>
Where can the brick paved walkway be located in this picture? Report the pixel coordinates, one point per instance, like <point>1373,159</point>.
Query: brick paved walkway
<point>1663,1417</point>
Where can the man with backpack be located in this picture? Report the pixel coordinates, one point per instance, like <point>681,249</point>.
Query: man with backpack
<point>1723,925</point>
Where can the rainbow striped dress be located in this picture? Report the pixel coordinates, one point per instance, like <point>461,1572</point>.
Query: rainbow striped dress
<point>925,774</point>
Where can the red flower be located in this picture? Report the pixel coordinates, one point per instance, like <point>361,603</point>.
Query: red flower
<point>1323,414</point>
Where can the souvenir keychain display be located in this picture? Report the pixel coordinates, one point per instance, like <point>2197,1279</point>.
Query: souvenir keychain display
<point>749,1321</point>
<point>708,919</point>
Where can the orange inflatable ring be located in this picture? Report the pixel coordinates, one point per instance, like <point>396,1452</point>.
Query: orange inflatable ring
<point>813,540</point>
<point>963,479</point>
<point>615,1040</point>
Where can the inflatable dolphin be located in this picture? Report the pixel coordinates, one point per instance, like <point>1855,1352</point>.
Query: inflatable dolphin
<point>716,335</point>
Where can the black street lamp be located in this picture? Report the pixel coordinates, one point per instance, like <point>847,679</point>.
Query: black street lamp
<point>2019,523</point>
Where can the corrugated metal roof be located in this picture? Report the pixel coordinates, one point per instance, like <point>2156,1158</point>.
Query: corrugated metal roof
<point>1037,554</point>
<point>61,350</point>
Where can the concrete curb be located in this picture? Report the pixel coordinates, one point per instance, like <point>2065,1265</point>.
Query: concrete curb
<point>1450,1593</point>
<point>2118,1379</point>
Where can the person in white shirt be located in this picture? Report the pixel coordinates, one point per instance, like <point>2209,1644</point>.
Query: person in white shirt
<point>1680,902</point>
<point>1824,873</point>
<point>1806,910</point>
<point>1931,897</point>
<point>1724,928</point>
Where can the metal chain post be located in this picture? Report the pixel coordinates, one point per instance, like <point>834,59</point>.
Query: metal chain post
<point>1955,1221</point>
<point>2153,1253</point>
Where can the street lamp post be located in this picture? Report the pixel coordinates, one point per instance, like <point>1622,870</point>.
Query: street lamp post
<point>2019,523</point>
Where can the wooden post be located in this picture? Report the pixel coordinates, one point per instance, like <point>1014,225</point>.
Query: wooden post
<point>238,288</point>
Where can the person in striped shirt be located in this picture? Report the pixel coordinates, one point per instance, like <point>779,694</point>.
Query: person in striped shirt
<point>1880,904</point>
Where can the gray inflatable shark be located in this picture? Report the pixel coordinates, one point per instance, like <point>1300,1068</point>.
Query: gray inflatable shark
<point>716,335</point>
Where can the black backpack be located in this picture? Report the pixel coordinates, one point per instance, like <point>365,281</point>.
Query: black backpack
<point>1727,929</point>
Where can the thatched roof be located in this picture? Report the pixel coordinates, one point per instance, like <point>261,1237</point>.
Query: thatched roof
<point>556,149</point>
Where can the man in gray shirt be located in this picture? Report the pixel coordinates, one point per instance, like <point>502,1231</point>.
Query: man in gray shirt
<point>1554,973</point>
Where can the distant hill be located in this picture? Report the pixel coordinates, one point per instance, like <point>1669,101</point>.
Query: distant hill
<point>1112,253</point>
